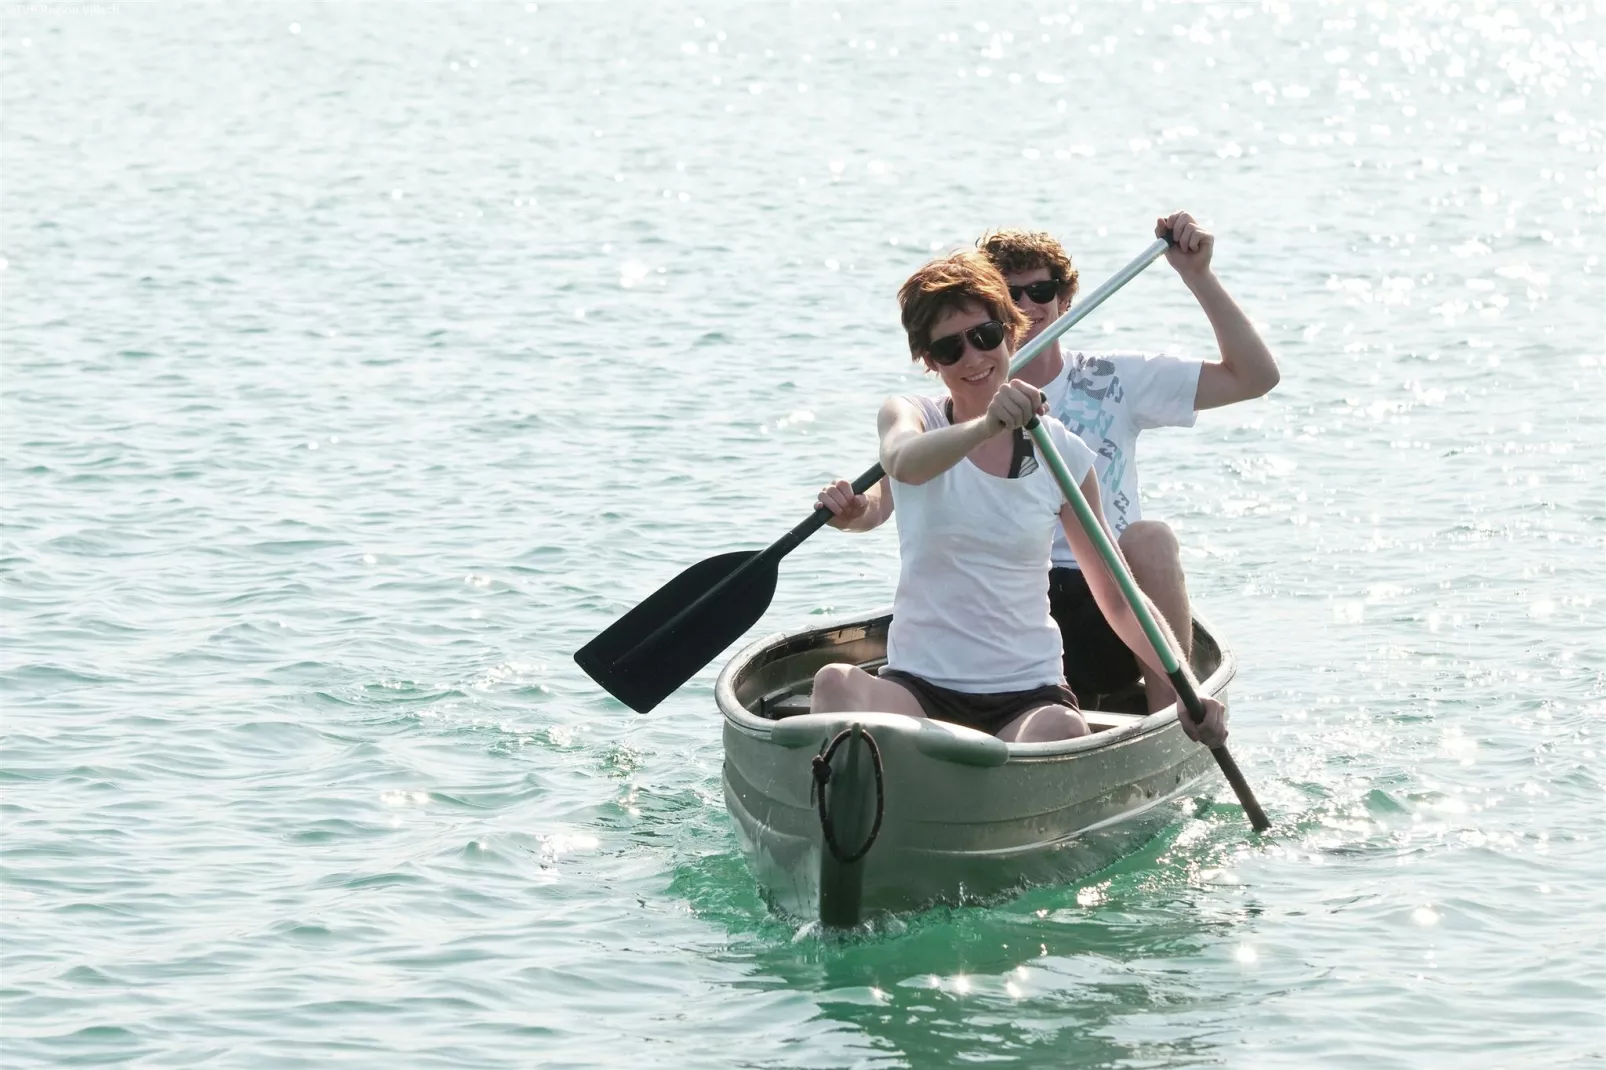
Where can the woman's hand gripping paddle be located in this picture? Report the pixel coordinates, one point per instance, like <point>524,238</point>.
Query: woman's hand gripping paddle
<point>1129,590</point>
<point>649,652</point>
<point>645,655</point>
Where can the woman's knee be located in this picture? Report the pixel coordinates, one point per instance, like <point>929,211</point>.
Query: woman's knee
<point>1048,723</point>
<point>1151,543</point>
<point>834,687</point>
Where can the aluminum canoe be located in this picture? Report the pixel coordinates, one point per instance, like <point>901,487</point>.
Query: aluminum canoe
<point>936,812</point>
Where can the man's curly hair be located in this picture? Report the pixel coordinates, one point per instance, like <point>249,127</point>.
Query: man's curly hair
<point>1013,251</point>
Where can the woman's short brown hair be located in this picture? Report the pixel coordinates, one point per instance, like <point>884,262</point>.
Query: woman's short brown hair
<point>1013,251</point>
<point>962,278</point>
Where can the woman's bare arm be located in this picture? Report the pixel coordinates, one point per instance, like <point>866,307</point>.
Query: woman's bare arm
<point>911,454</point>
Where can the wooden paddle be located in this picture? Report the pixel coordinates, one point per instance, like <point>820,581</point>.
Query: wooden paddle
<point>1129,589</point>
<point>649,652</point>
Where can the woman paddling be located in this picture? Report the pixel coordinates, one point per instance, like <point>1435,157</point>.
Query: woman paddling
<point>971,640</point>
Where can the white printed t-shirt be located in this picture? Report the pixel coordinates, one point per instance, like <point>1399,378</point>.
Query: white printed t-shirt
<point>1105,399</point>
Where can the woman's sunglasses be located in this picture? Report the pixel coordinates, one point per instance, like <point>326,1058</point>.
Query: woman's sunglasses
<point>984,337</point>
<point>1041,292</point>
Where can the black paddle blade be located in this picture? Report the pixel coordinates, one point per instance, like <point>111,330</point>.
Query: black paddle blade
<point>640,662</point>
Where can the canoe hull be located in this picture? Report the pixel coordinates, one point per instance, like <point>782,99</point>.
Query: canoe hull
<point>963,816</point>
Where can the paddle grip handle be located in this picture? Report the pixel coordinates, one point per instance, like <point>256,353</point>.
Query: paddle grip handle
<point>822,516</point>
<point>869,478</point>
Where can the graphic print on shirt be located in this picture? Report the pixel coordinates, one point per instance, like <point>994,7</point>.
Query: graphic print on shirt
<point>1085,376</point>
<point>1092,383</point>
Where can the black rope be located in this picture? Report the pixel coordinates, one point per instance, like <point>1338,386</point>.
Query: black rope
<point>822,777</point>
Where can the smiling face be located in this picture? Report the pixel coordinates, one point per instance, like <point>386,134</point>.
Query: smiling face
<point>953,294</point>
<point>977,374</point>
<point>1038,313</point>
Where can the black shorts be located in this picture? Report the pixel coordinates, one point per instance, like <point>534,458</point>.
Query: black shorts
<point>1097,662</point>
<point>985,713</point>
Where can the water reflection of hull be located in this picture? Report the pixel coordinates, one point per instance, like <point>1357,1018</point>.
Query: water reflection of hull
<point>962,816</point>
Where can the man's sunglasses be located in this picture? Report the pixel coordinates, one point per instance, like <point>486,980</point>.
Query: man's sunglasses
<point>1041,292</point>
<point>984,337</point>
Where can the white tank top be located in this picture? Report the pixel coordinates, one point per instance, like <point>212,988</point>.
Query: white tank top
<point>971,612</point>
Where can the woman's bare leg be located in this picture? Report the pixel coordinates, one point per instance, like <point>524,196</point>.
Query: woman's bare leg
<point>849,689</point>
<point>1043,724</point>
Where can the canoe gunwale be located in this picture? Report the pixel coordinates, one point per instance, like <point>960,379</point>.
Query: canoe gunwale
<point>738,717</point>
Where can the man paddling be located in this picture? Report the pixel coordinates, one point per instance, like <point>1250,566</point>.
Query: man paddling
<point>1106,400</point>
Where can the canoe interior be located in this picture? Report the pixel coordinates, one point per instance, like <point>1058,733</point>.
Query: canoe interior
<point>779,678</point>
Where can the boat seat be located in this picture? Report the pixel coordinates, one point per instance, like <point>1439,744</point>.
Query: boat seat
<point>1104,720</point>
<point>1129,699</point>
<point>787,704</point>
<point>790,701</point>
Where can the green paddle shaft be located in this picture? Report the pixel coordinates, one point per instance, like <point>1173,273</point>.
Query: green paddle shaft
<point>1106,549</point>
<point>1129,590</point>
